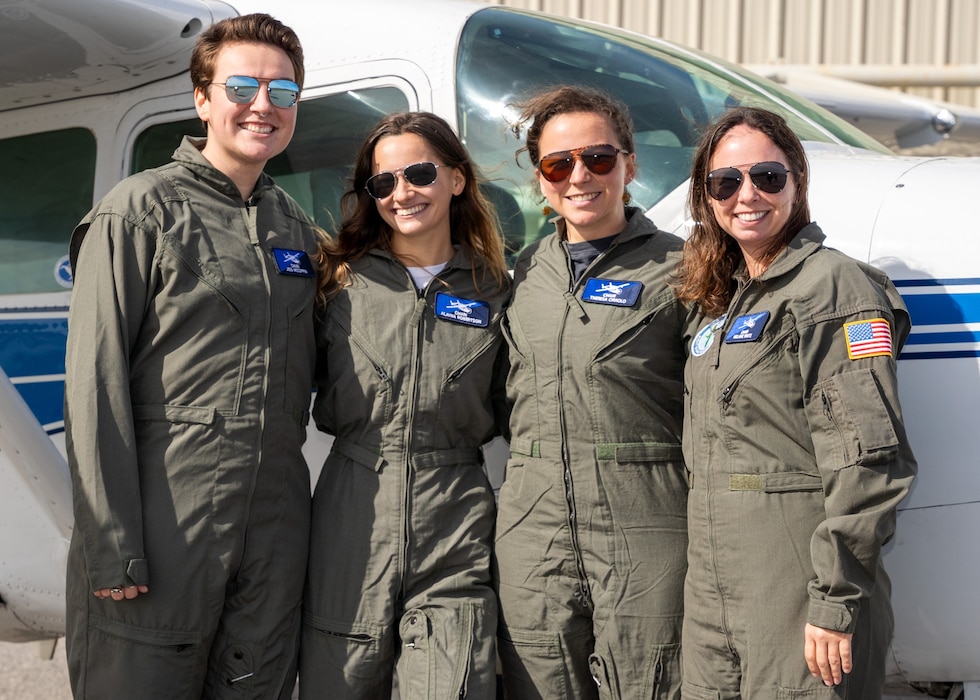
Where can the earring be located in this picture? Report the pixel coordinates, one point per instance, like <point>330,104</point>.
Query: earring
<point>547,211</point>
<point>627,197</point>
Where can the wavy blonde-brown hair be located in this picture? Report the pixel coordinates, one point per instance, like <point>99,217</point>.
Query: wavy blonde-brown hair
<point>711,256</point>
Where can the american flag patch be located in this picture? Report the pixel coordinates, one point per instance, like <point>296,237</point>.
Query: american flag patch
<point>868,338</point>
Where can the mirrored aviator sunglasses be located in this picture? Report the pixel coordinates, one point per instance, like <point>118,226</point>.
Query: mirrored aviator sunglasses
<point>418,174</point>
<point>600,160</point>
<point>769,177</point>
<point>242,89</point>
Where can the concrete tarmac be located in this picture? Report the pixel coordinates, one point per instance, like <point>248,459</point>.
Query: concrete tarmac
<point>24,675</point>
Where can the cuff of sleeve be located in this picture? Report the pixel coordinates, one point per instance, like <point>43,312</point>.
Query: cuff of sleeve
<point>838,617</point>
<point>138,571</point>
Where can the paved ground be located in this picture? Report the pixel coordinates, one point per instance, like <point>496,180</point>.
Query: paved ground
<point>24,675</point>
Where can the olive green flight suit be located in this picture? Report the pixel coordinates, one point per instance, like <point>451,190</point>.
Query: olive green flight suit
<point>189,376</point>
<point>793,434</point>
<point>591,528</point>
<point>403,511</point>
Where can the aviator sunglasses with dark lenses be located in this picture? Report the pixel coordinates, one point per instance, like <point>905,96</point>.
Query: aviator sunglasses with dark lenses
<point>419,174</point>
<point>241,89</point>
<point>600,160</point>
<point>769,177</point>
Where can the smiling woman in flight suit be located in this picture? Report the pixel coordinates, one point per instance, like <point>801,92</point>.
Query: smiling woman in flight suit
<point>591,529</point>
<point>793,433</point>
<point>408,345</point>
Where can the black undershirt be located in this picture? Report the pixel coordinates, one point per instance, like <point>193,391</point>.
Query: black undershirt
<point>582,254</point>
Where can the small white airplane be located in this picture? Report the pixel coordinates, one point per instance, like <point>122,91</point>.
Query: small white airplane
<point>91,92</point>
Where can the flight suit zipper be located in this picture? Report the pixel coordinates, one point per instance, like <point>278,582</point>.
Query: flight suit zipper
<point>251,230</point>
<point>418,320</point>
<point>566,462</point>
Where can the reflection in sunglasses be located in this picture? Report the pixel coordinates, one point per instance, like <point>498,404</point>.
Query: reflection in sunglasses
<point>383,184</point>
<point>769,177</point>
<point>242,89</point>
<point>599,159</point>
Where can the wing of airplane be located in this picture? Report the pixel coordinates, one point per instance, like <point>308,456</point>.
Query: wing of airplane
<point>55,50</point>
<point>36,524</point>
<point>897,119</point>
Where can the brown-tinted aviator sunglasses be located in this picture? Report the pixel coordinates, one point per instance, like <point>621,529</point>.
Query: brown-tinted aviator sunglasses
<point>599,159</point>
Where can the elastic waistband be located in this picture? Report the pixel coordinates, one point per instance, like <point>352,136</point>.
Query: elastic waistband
<point>369,457</point>
<point>615,451</point>
<point>372,457</point>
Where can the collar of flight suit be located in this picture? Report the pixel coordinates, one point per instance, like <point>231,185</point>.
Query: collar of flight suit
<point>189,155</point>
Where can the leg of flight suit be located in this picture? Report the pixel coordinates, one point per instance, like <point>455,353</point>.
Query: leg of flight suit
<point>157,645</point>
<point>256,649</point>
<point>639,603</point>
<point>448,629</point>
<point>348,643</point>
<point>545,636</point>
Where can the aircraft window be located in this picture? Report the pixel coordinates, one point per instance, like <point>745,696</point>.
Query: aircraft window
<point>47,182</point>
<point>506,54</point>
<point>315,166</point>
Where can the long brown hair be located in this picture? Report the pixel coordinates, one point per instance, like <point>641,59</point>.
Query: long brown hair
<point>711,256</point>
<point>472,218</point>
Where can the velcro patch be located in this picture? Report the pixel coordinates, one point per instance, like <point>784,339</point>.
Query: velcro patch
<point>869,338</point>
<point>614,292</point>
<point>469,312</point>
<point>293,262</point>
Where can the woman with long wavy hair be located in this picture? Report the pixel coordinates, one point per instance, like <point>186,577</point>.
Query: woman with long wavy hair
<point>408,343</point>
<point>793,432</point>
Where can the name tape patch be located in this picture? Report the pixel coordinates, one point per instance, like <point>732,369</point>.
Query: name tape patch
<point>293,262</point>
<point>747,329</point>
<point>613,292</point>
<point>469,312</point>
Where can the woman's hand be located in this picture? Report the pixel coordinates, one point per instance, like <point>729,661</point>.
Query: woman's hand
<point>827,653</point>
<point>120,592</point>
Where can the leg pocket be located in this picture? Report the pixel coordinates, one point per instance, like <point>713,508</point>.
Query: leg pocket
<point>338,655</point>
<point>819,692</point>
<point>659,678</point>
<point>689,691</point>
<point>533,665</point>
<point>665,672</point>
<point>128,661</point>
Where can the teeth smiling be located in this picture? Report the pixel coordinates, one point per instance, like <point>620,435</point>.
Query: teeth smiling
<point>257,128</point>
<point>751,215</point>
<point>583,197</point>
<point>412,210</point>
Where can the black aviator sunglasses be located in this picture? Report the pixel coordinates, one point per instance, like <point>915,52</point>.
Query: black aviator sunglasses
<point>383,184</point>
<point>769,177</point>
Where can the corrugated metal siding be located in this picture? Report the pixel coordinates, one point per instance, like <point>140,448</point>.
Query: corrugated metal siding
<point>873,32</point>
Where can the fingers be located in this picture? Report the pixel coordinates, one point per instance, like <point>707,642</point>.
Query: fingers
<point>827,654</point>
<point>847,660</point>
<point>120,593</point>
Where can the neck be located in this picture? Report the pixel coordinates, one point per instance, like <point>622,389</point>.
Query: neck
<point>243,176</point>
<point>415,252</point>
<point>604,229</point>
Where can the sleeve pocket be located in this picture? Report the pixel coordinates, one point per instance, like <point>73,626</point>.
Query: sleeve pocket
<point>851,421</point>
